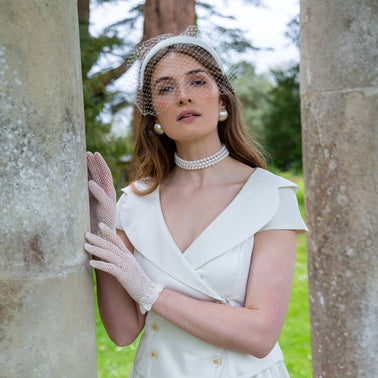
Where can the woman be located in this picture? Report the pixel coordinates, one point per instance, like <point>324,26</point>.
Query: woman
<point>204,252</point>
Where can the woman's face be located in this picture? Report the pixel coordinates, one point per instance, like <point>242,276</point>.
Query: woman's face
<point>185,97</point>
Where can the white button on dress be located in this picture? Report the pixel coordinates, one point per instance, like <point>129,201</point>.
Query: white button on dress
<point>155,327</point>
<point>154,354</point>
<point>217,361</point>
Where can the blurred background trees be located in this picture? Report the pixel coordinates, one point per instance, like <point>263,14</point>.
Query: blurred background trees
<point>270,101</point>
<point>272,109</point>
<point>281,121</point>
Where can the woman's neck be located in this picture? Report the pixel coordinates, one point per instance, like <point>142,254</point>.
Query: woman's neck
<point>198,149</point>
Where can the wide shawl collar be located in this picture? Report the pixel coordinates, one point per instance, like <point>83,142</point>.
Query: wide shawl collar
<point>143,222</point>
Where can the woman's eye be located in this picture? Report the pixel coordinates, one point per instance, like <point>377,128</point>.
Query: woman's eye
<point>164,90</point>
<point>198,82</point>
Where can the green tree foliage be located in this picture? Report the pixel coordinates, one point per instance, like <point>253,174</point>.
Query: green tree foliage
<point>282,124</point>
<point>252,90</point>
<point>98,95</point>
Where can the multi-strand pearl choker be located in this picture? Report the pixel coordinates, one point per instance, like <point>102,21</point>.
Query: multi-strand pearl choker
<point>192,165</point>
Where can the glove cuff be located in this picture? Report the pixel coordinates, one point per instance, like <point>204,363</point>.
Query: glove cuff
<point>151,297</point>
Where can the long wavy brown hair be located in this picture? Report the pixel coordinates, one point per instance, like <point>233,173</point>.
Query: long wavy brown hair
<point>154,154</point>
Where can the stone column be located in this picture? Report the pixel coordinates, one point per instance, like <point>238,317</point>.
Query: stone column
<point>339,100</point>
<point>46,291</point>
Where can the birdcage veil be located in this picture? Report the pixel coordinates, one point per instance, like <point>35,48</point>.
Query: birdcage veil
<point>191,47</point>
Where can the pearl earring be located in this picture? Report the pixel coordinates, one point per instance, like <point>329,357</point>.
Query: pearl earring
<point>223,115</point>
<point>158,129</point>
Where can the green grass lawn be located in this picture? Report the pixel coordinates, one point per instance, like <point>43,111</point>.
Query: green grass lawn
<point>295,335</point>
<point>114,361</point>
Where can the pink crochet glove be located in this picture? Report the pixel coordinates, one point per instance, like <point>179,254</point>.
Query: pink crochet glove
<point>121,263</point>
<point>102,195</point>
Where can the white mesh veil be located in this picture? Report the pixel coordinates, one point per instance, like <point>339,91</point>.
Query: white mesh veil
<point>184,65</point>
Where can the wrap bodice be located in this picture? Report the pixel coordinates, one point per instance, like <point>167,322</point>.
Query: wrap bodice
<point>214,267</point>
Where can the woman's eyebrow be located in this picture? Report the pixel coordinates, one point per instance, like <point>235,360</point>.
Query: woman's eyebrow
<point>192,72</point>
<point>163,78</point>
<point>170,78</point>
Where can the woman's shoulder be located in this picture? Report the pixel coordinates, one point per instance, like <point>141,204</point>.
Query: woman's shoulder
<point>139,187</point>
<point>264,176</point>
<point>244,173</point>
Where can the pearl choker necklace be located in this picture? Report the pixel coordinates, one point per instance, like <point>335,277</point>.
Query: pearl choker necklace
<point>192,165</point>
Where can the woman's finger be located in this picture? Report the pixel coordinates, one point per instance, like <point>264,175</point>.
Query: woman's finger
<point>98,241</point>
<point>105,175</point>
<point>102,243</point>
<point>110,256</point>
<point>100,195</point>
<point>112,236</point>
<point>106,267</point>
<point>92,168</point>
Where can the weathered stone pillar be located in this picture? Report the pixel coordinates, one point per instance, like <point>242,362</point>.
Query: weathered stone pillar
<point>46,301</point>
<point>339,99</point>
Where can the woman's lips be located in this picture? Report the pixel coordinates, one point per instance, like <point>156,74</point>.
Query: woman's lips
<point>187,115</point>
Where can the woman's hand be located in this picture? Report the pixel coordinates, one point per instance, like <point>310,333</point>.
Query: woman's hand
<point>118,261</point>
<point>102,195</point>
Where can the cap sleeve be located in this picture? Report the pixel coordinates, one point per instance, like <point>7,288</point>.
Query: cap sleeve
<point>287,216</point>
<point>120,204</point>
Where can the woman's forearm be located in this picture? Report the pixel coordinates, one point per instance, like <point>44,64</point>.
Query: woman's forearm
<point>247,330</point>
<point>255,328</point>
<point>119,313</point>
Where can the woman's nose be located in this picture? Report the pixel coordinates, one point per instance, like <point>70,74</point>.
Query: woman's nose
<point>184,96</point>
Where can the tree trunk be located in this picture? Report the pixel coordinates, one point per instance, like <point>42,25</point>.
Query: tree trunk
<point>160,16</point>
<point>167,16</point>
<point>46,290</point>
<point>339,119</point>
<point>83,13</point>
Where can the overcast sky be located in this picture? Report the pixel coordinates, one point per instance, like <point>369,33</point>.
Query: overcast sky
<point>265,27</point>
